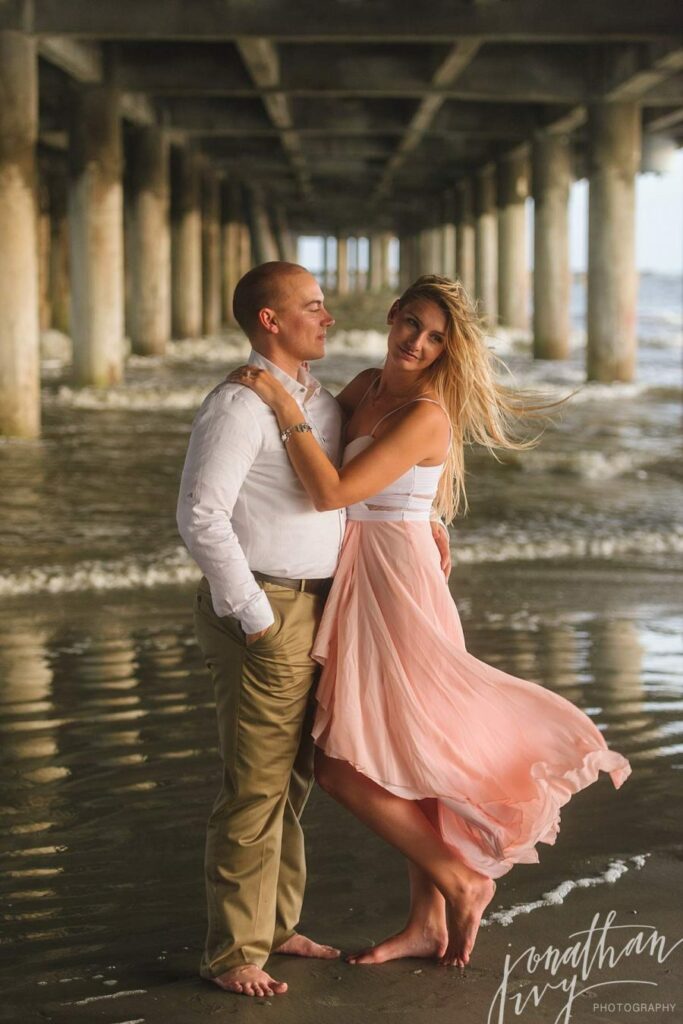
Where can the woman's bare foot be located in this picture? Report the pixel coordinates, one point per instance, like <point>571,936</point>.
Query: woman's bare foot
<point>299,945</point>
<point>416,940</point>
<point>465,906</point>
<point>250,980</point>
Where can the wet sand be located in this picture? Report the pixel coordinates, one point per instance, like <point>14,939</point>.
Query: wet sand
<point>167,991</point>
<point>111,766</point>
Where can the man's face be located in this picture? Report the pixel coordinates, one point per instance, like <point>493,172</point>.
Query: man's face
<point>301,318</point>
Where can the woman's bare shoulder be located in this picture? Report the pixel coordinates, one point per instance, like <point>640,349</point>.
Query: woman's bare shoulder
<point>350,396</point>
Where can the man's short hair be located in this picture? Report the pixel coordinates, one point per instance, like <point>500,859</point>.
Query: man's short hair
<point>260,287</point>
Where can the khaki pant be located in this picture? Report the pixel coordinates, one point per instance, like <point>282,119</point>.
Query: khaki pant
<point>255,864</point>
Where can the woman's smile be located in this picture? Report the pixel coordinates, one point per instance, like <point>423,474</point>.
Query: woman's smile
<point>407,352</point>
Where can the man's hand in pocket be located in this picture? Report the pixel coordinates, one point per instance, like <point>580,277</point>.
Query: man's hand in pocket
<point>251,638</point>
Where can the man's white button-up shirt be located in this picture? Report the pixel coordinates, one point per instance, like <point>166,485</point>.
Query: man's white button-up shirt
<point>241,505</point>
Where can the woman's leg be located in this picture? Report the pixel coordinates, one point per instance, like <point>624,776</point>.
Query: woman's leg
<point>425,933</point>
<point>403,824</point>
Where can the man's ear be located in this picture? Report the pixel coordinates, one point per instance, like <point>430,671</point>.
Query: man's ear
<point>391,315</point>
<point>267,319</point>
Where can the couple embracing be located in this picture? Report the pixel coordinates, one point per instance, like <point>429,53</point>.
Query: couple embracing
<point>333,642</point>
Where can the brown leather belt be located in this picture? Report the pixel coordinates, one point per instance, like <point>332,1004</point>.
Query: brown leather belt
<point>319,587</point>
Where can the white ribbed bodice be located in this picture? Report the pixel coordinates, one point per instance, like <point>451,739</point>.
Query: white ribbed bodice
<point>409,497</point>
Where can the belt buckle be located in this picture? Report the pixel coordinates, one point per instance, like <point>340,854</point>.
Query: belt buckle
<point>302,586</point>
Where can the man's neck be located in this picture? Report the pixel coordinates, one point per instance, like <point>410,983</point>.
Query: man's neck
<point>287,365</point>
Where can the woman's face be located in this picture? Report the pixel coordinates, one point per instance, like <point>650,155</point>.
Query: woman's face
<point>417,336</point>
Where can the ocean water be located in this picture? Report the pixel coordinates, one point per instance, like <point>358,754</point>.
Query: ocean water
<point>568,572</point>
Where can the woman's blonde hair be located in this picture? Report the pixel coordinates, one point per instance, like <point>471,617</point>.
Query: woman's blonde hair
<point>480,408</point>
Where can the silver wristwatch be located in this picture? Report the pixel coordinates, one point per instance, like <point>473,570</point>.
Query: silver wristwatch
<point>298,428</point>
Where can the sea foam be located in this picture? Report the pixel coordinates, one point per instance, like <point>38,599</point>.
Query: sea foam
<point>555,897</point>
<point>174,565</point>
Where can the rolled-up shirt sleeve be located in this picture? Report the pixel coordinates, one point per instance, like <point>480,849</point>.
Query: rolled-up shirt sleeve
<point>225,440</point>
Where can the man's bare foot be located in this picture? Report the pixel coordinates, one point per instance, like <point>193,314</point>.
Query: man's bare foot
<point>416,940</point>
<point>299,945</point>
<point>250,980</point>
<point>464,909</point>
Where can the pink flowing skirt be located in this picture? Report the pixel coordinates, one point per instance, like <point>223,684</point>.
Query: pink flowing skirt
<point>402,701</point>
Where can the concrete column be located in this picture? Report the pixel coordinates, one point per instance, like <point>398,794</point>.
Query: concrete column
<point>211,253</point>
<point>286,241</point>
<point>60,287</point>
<point>513,275</point>
<point>429,250</point>
<point>19,345</point>
<point>231,230</point>
<point>247,260</point>
<point>149,241</point>
<point>325,269</point>
<point>614,136</point>
<point>44,240</point>
<point>375,276</point>
<point>448,235</point>
<point>404,257</point>
<point>186,245</point>
<point>410,260</point>
<point>385,269</point>
<point>96,234</point>
<point>464,234</point>
<point>352,262</point>
<point>342,266</point>
<point>262,235</point>
<point>486,243</point>
<point>552,175</point>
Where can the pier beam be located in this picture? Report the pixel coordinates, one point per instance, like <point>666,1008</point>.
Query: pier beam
<point>464,235</point>
<point>342,265</point>
<point>19,344</point>
<point>486,243</point>
<point>552,175</point>
<point>513,275</point>
<point>614,156</point>
<point>186,245</point>
<point>211,253</point>
<point>150,241</point>
<point>96,236</point>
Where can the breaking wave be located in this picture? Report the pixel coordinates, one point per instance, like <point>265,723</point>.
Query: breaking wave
<point>174,565</point>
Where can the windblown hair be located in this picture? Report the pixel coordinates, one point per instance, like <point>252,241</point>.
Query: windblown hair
<point>480,408</point>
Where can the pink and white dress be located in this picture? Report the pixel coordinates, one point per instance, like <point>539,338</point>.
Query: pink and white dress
<point>402,700</point>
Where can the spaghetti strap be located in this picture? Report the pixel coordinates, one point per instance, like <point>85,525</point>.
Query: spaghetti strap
<point>405,406</point>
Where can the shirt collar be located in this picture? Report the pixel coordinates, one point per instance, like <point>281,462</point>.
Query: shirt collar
<point>305,387</point>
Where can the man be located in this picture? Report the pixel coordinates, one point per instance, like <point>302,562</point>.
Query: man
<point>268,557</point>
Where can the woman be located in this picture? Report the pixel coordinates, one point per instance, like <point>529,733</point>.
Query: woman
<point>459,765</point>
